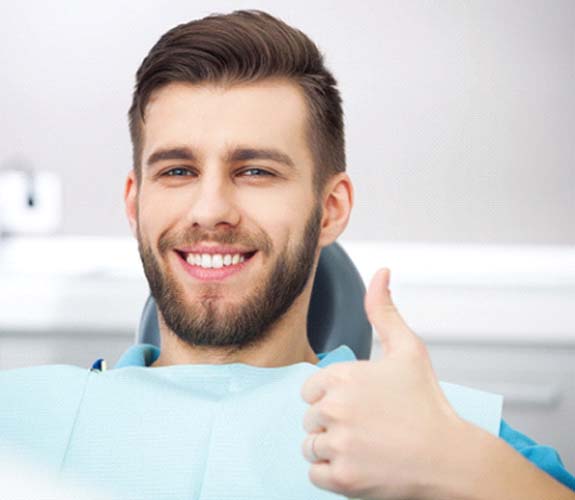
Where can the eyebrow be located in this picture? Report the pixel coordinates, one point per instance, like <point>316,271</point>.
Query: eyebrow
<point>234,155</point>
<point>181,153</point>
<point>243,154</point>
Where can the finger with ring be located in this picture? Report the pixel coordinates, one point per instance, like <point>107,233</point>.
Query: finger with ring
<point>309,448</point>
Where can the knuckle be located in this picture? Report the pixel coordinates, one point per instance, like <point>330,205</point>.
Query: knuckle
<point>329,445</point>
<point>316,478</point>
<point>325,410</point>
<point>342,442</point>
<point>421,349</point>
<point>332,410</point>
<point>417,351</point>
<point>341,372</point>
<point>344,477</point>
<point>320,476</point>
<point>308,389</point>
<point>331,376</point>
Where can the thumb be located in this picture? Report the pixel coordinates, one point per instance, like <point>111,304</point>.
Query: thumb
<point>392,330</point>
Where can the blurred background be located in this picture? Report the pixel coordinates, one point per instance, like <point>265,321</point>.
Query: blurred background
<point>460,120</point>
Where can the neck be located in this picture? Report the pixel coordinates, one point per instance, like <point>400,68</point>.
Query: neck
<point>286,344</point>
<point>175,352</point>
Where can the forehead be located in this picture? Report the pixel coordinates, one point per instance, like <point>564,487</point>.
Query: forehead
<point>211,118</point>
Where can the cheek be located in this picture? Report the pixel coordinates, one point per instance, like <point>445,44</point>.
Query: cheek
<point>288,205</point>
<point>155,215</point>
<point>282,204</point>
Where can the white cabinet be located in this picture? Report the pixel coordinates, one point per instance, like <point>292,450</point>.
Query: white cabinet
<point>71,348</point>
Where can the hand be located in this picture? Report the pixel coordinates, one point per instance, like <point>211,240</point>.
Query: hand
<point>379,429</point>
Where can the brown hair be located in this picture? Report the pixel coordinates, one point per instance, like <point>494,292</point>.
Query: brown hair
<point>246,46</point>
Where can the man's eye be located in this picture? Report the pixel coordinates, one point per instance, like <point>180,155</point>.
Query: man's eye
<point>177,169</point>
<point>265,172</point>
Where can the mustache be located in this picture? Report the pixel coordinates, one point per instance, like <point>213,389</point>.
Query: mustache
<point>168,242</point>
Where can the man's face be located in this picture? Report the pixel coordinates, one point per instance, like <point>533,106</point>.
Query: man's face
<point>235,171</point>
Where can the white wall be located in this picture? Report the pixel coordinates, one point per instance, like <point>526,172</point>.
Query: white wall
<point>459,114</point>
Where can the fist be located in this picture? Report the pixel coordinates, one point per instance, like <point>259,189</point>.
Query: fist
<point>378,429</point>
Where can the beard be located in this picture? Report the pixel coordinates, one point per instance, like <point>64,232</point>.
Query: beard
<point>233,326</point>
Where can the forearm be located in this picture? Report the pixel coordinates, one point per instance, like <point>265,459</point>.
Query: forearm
<point>484,467</point>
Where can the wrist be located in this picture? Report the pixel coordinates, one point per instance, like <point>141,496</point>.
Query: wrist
<point>455,468</point>
<point>470,462</point>
<point>477,465</point>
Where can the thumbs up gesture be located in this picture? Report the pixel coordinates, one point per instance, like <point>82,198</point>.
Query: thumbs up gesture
<point>380,429</point>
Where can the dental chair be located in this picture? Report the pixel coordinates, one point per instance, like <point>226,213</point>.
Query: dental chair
<point>336,314</point>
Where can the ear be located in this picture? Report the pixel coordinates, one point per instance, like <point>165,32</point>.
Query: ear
<point>131,201</point>
<point>337,205</point>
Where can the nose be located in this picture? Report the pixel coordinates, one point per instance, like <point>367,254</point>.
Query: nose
<point>213,201</point>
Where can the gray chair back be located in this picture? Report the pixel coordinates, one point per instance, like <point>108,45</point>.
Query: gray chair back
<point>336,315</point>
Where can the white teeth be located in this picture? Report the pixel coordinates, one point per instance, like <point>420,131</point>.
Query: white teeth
<point>206,260</point>
<point>214,261</point>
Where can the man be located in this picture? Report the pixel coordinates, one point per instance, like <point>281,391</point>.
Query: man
<point>238,183</point>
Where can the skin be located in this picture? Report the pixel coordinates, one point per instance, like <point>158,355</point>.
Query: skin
<point>383,430</point>
<point>370,442</point>
<point>214,201</point>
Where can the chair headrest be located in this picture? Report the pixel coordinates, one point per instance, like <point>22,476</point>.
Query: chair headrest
<point>336,314</point>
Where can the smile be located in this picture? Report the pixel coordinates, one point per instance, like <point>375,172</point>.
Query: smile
<point>206,267</point>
